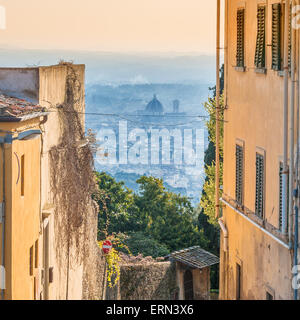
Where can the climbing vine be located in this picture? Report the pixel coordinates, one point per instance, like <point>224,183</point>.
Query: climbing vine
<point>112,257</point>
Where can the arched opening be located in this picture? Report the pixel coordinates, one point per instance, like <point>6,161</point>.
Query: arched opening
<point>188,285</point>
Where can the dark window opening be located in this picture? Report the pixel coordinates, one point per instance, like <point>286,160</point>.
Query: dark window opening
<point>238,281</point>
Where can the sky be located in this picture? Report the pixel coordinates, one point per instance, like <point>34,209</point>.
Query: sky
<point>110,25</point>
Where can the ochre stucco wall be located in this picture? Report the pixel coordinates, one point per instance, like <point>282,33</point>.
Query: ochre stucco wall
<point>254,116</point>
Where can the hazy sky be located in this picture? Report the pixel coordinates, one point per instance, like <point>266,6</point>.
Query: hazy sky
<point>110,25</point>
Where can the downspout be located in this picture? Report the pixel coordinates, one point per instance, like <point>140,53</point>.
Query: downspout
<point>223,272</point>
<point>296,240</point>
<point>217,178</point>
<point>3,218</point>
<point>296,244</point>
<point>285,120</point>
<point>225,234</point>
<point>292,134</point>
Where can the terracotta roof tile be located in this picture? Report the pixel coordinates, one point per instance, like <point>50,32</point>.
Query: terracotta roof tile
<point>17,108</point>
<point>195,257</point>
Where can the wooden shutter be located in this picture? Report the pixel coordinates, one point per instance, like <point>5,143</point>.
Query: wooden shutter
<point>260,181</point>
<point>240,38</point>
<point>276,36</point>
<point>239,174</point>
<point>261,38</point>
<point>280,195</point>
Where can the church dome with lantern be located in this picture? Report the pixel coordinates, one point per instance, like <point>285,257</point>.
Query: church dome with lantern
<point>154,106</point>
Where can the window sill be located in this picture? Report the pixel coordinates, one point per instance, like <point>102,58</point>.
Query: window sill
<point>261,70</point>
<point>240,69</point>
<point>280,73</point>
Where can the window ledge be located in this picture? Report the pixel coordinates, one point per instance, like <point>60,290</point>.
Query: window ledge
<point>261,70</point>
<point>240,69</point>
<point>280,73</point>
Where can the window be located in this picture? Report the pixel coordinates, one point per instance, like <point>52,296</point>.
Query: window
<point>281,195</point>
<point>278,22</point>
<point>269,296</point>
<point>22,175</point>
<point>276,36</point>
<point>36,254</point>
<point>238,281</point>
<point>240,51</point>
<point>260,51</point>
<point>31,261</point>
<point>239,179</point>
<point>260,185</point>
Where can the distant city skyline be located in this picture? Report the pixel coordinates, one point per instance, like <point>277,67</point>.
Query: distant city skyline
<point>112,26</point>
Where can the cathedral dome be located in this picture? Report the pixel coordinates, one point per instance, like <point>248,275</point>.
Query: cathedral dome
<point>155,106</point>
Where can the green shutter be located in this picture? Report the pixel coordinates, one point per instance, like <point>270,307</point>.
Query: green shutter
<point>276,36</point>
<point>260,185</point>
<point>239,154</point>
<point>240,38</point>
<point>280,195</point>
<point>261,38</point>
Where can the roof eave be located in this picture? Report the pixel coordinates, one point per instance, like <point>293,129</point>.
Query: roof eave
<point>23,118</point>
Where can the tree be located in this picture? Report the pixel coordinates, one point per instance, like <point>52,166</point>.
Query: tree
<point>168,217</point>
<point>114,200</point>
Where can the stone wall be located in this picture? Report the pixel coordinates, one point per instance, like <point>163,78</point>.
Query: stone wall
<point>145,281</point>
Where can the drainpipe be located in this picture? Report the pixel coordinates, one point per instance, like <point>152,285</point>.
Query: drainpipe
<point>223,271</point>
<point>292,134</point>
<point>285,120</point>
<point>225,234</point>
<point>296,245</point>
<point>3,218</point>
<point>217,182</point>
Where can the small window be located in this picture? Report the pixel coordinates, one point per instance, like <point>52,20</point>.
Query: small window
<point>260,185</point>
<point>238,281</point>
<point>240,48</point>
<point>260,51</point>
<point>31,261</point>
<point>22,175</point>
<point>239,181</point>
<point>36,254</point>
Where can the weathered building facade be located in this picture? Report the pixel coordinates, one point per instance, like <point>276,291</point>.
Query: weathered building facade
<point>48,221</point>
<point>257,252</point>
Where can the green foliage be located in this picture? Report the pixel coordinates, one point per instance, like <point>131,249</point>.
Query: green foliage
<point>140,243</point>
<point>160,215</point>
<point>114,200</point>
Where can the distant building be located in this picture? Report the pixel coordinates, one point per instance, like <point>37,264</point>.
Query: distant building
<point>154,107</point>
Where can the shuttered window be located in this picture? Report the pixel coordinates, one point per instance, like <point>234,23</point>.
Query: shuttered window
<point>260,185</point>
<point>260,38</point>
<point>281,195</point>
<point>240,51</point>
<point>239,154</point>
<point>276,36</point>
